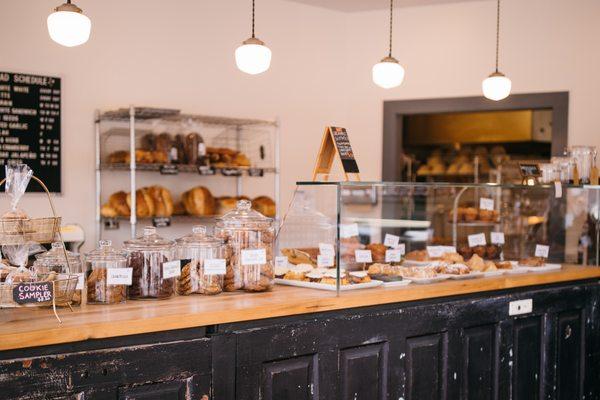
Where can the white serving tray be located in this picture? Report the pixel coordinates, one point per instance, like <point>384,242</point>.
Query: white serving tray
<point>472,275</point>
<point>425,281</point>
<point>545,268</point>
<point>413,263</point>
<point>326,286</point>
<point>403,282</point>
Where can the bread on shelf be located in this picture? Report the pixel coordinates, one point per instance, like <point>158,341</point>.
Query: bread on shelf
<point>163,202</point>
<point>144,206</point>
<point>264,205</point>
<point>199,201</point>
<point>118,201</point>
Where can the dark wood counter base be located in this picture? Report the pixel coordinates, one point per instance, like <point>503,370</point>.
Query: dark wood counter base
<point>465,347</point>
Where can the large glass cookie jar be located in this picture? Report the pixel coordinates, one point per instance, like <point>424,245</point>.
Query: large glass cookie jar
<point>203,263</point>
<point>153,272</point>
<point>107,275</point>
<point>54,260</point>
<point>250,237</point>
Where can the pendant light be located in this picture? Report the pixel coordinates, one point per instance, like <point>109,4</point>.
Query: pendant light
<point>496,86</point>
<point>388,73</point>
<point>253,57</point>
<point>68,26</point>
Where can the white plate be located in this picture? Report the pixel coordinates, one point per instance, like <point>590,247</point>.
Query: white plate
<point>497,272</point>
<point>326,286</point>
<point>412,263</point>
<point>516,271</point>
<point>545,268</point>
<point>423,281</point>
<point>472,275</point>
<point>403,282</point>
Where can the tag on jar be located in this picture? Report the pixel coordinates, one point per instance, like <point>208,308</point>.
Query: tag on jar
<point>486,203</point>
<point>254,256</point>
<point>324,260</point>
<point>477,239</point>
<point>215,266</point>
<point>497,237</point>
<point>542,250</point>
<point>118,276</point>
<point>391,240</point>
<point>393,255</point>
<point>171,269</point>
<point>281,262</point>
<point>326,249</point>
<point>80,281</point>
<point>363,256</point>
<point>557,189</point>
<point>348,230</point>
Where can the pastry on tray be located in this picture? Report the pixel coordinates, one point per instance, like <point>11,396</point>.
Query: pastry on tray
<point>504,265</point>
<point>417,255</point>
<point>453,269</point>
<point>301,256</point>
<point>377,251</point>
<point>359,277</point>
<point>533,262</point>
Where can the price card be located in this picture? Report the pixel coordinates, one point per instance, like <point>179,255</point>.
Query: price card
<point>435,251</point>
<point>281,262</point>
<point>448,249</point>
<point>486,203</point>
<point>35,292</point>
<point>393,255</point>
<point>557,189</point>
<point>363,256</point>
<point>171,269</point>
<point>542,250</point>
<point>497,237</point>
<point>477,240</point>
<point>214,266</point>
<point>118,276</point>
<point>324,260</point>
<point>80,281</point>
<point>254,256</point>
<point>391,240</point>
<point>326,249</point>
<point>348,230</point>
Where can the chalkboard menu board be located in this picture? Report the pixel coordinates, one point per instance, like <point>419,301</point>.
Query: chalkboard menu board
<point>340,137</point>
<point>30,126</point>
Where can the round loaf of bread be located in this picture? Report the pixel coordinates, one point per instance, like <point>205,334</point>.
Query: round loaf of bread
<point>118,201</point>
<point>199,201</point>
<point>264,205</point>
<point>163,202</point>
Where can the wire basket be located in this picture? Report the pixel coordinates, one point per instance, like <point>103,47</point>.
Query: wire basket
<point>63,289</point>
<point>20,231</point>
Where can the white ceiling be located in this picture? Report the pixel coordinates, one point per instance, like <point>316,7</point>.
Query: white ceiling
<point>366,5</point>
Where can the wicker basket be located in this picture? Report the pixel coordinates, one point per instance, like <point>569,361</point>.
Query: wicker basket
<point>63,288</point>
<point>19,231</point>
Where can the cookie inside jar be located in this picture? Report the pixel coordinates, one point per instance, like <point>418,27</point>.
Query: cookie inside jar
<point>107,275</point>
<point>203,260</point>
<point>249,236</point>
<point>150,258</point>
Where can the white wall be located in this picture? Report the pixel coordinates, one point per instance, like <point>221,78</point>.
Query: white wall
<point>179,54</point>
<point>144,52</point>
<point>447,50</point>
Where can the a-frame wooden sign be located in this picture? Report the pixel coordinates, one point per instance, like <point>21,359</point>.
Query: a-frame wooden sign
<point>335,141</point>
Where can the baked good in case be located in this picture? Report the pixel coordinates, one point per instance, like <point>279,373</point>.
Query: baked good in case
<point>377,251</point>
<point>264,205</point>
<point>199,201</point>
<point>533,262</point>
<point>417,255</point>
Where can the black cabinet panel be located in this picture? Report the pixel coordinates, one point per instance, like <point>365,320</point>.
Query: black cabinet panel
<point>183,389</point>
<point>479,362</point>
<point>426,366</point>
<point>295,378</point>
<point>570,355</point>
<point>364,372</point>
<point>527,348</point>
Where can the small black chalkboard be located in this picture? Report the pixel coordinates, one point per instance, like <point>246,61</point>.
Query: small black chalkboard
<point>256,172</point>
<point>169,169</point>
<point>206,170</point>
<point>335,141</point>
<point>231,172</point>
<point>34,292</point>
<point>161,222</point>
<point>342,143</point>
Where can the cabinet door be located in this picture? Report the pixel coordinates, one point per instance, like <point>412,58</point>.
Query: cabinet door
<point>364,372</point>
<point>426,367</point>
<point>480,362</point>
<point>178,389</point>
<point>570,355</point>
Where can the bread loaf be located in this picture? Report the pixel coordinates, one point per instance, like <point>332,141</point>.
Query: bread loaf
<point>118,157</point>
<point>118,201</point>
<point>264,205</point>
<point>144,206</point>
<point>163,202</point>
<point>226,204</point>
<point>199,201</point>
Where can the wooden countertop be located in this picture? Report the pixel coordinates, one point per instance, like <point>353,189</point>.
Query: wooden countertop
<point>21,328</point>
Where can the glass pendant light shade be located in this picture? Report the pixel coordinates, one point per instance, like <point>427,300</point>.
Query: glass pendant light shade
<point>496,86</point>
<point>388,73</point>
<point>253,57</point>
<point>68,26</point>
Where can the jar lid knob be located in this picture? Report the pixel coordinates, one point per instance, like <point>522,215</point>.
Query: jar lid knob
<point>199,230</point>
<point>244,204</point>
<point>105,243</point>
<point>149,231</point>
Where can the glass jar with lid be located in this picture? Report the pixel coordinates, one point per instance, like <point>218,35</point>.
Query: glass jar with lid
<point>54,260</point>
<point>203,263</point>
<point>153,274</point>
<point>250,237</point>
<point>584,157</point>
<point>107,275</point>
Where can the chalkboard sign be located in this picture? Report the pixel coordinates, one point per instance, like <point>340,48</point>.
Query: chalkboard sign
<point>36,292</point>
<point>30,126</point>
<point>335,141</point>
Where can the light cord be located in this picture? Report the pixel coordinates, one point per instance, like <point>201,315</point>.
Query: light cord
<point>391,25</point>
<point>497,34</point>
<point>252,18</point>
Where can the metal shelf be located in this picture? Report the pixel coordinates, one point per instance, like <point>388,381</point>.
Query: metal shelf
<point>188,169</point>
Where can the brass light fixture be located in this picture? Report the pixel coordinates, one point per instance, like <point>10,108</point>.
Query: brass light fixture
<point>496,86</point>
<point>388,73</point>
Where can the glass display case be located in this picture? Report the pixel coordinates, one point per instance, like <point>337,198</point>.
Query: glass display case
<point>351,235</point>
